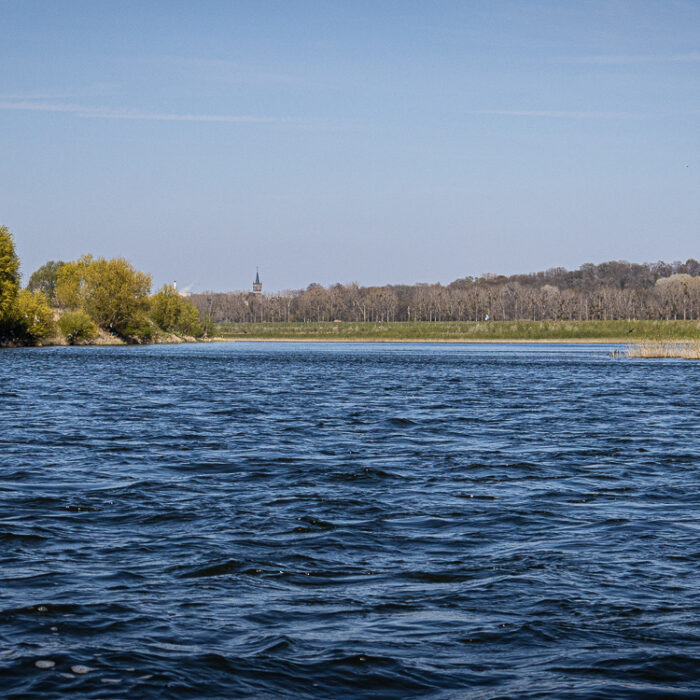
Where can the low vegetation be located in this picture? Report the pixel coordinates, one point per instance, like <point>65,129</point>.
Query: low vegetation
<point>77,327</point>
<point>605,331</point>
<point>87,300</point>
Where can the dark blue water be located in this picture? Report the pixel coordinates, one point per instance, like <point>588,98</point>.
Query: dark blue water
<point>366,520</point>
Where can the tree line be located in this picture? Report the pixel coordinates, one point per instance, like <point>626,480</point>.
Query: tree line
<point>76,300</point>
<point>615,290</point>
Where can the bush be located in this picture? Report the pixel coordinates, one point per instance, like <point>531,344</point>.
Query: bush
<point>77,327</point>
<point>175,314</point>
<point>140,329</point>
<point>34,316</point>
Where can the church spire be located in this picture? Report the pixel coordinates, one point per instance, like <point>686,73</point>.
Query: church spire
<point>257,285</point>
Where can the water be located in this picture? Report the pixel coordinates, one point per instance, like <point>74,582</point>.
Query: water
<point>367,520</point>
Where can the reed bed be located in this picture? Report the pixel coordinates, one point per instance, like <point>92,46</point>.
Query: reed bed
<point>686,351</point>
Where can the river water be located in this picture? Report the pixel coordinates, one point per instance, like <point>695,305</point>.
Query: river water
<point>319,520</point>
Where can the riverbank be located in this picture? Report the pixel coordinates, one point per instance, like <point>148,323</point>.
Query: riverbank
<point>105,339</point>
<point>467,331</point>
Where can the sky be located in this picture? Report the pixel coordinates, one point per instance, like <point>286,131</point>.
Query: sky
<point>360,141</point>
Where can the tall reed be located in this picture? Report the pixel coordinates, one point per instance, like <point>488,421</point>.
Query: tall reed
<point>686,351</point>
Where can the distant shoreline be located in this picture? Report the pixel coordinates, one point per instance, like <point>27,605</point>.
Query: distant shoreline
<point>615,332</point>
<point>493,341</point>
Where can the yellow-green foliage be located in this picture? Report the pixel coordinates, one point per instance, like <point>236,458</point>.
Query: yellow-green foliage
<point>71,283</point>
<point>111,292</point>
<point>25,316</point>
<point>9,276</point>
<point>174,313</point>
<point>117,295</point>
<point>77,327</point>
<point>34,315</point>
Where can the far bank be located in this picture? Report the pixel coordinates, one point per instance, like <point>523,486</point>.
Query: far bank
<point>466,331</point>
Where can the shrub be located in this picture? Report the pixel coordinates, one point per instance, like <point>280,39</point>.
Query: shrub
<point>175,314</point>
<point>34,316</point>
<point>77,327</point>
<point>140,329</point>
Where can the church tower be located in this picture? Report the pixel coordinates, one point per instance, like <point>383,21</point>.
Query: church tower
<point>257,285</point>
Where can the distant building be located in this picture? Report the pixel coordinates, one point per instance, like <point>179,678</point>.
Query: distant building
<point>181,294</point>
<point>257,285</point>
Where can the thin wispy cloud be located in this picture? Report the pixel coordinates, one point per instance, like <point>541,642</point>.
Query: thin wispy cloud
<point>52,95</point>
<point>170,117</point>
<point>630,59</point>
<point>226,70</point>
<point>38,95</point>
<point>103,113</point>
<point>556,114</point>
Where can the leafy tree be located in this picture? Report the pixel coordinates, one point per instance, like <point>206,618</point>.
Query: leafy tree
<point>9,275</point>
<point>174,313</point>
<point>116,296</point>
<point>9,286</point>
<point>77,327</point>
<point>34,316</point>
<point>71,283</point>
<point>44,279</point>
<point>111,292</point>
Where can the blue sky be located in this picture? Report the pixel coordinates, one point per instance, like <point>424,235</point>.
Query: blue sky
<point>378,142</point>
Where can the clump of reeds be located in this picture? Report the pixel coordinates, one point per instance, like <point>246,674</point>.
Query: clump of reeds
<point>686,351</point>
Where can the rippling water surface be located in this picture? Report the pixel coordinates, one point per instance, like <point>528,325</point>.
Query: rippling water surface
<point>372,520</point>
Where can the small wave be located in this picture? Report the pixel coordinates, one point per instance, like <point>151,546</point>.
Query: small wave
<point>398,422</point>
<point>317,522</point>
<point>227,567</point>
<point>365,473</point>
